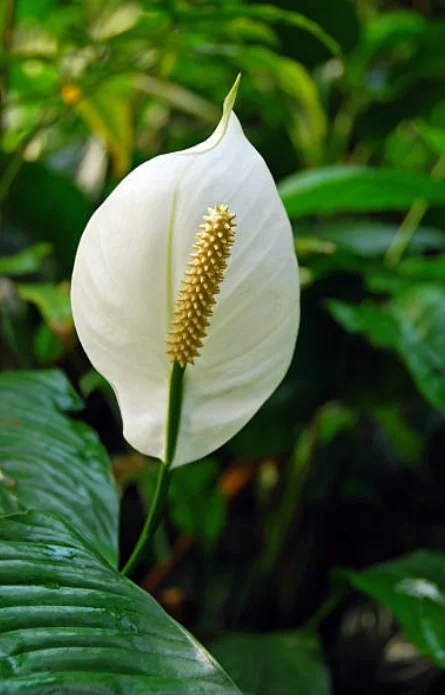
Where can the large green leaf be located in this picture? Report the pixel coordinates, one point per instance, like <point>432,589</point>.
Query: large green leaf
<point>411,324</point>
<point>49,461</point>
<point>274,664</point>
<point>371,238</point>
<point>413,587</point>
<point>71,624</point>
<point>356,189</point>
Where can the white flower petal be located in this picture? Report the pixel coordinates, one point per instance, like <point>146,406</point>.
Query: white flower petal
<point>129,267</point>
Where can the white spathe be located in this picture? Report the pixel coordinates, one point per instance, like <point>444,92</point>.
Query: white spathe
<point>128,269</point>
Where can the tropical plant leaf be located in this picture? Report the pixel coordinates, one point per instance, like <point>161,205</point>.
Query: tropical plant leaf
<point>413,587</point>
<point>49,461</point>
<point>411,324</point>
<point>356,189</point>
<point>72,624</point>
<point>370,238</point>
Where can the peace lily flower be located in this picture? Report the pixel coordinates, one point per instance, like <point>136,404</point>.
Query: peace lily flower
<point>188,268</point>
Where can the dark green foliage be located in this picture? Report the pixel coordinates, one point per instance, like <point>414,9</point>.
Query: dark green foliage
<point>343,467</point>
<point>277,664</point>
<point>50,462</point>
<point>70,623</point>
<point>413,588</point>
<point>356,189</point>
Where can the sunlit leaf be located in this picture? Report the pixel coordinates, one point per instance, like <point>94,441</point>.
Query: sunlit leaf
<point>113,20</point>
<point>107,113</point>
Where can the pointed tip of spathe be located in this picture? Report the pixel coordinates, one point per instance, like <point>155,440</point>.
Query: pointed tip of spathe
<point>229,101</point>
<point>221,129</point>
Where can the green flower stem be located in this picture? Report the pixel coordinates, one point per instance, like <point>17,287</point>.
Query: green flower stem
<point>163,479</point>
<point>174,412</point>
<point>411,222</point>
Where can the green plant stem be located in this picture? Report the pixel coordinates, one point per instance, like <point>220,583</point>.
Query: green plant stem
<point>411,222</point>
<point>163,479</point>
<point>157,504</point>
<point>174,412</point>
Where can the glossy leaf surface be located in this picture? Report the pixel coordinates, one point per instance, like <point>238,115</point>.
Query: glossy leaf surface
<point>49,461</point>
<point>70,623</point>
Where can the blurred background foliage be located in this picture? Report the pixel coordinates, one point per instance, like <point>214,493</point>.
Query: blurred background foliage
<point>300,539</point>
